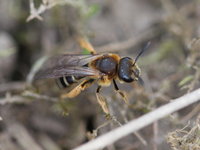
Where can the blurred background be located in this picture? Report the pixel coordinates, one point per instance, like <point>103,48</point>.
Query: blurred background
<point>32,115</point>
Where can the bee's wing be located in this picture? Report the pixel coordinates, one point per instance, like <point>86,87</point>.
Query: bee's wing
<point>66,65</point>
<point>69,60</point>
<point>60,71</point>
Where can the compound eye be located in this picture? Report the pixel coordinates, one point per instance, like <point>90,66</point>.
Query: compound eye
<point>125,69</point>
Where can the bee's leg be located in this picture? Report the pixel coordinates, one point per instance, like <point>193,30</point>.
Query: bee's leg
<point>85,44</point>
<point>121,93</point>
<point>102,101</point>
<point>77,90</point>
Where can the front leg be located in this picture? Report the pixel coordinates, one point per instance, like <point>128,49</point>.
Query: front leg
<point>121,93</point>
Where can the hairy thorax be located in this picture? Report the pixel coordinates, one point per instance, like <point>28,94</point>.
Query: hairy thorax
<point>108,65</point>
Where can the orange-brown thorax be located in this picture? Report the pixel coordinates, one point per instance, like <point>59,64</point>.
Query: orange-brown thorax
<point>107,64</point>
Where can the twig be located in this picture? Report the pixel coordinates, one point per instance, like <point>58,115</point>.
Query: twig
<point>13,99</point>
<point>155,135</point>
<point>39,96</point>
<point>141,139</point>
<point>123,113</point>
<point>23,137</point>
<point>25,97</point>
<point>152,32</point>
<point>93,134</point>
<point>46,5</point>
<point>12,86</point>
<point>35,68</point>
<point>195,80</point>
<point>141,122</point>
<point>191,114</point>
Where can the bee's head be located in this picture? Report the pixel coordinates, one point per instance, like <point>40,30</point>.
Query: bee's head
<point>128,70</point>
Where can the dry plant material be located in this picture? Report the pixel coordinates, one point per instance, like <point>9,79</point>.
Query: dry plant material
<point>185,140</point>
<point>141,122</point>
<point>48,4</point>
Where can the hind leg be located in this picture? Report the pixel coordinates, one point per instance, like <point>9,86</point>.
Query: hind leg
<point>102,101</point>
<point>77,90</point>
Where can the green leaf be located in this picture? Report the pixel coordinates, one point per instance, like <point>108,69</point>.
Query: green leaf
<point>185,80</point>
<point>92,10</point>
<point>85,51</point>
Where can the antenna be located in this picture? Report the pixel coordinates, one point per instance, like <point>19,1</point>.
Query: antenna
<point>142,51</point>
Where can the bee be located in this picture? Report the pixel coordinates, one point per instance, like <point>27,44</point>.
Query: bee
<point>81,71</point>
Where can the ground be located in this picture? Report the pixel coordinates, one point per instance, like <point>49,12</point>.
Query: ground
<point>34,117</point>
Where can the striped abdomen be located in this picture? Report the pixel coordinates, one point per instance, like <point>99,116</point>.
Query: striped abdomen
<point>66,81</point>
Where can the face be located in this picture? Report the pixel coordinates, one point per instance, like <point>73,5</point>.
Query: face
<point>135,72</point>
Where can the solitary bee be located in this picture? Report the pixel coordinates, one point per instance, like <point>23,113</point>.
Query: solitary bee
<point>81,71</point>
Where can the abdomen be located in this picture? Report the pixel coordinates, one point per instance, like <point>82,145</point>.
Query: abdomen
<point>66,81</point>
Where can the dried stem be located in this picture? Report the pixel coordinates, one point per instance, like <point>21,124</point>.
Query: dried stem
<point>141,122</point>
<point>152,32</point>
<point>194,111</point>
<point>25,97</point>
<point>12,86</point>
<point>46,5</point>
<point>155,134</point>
